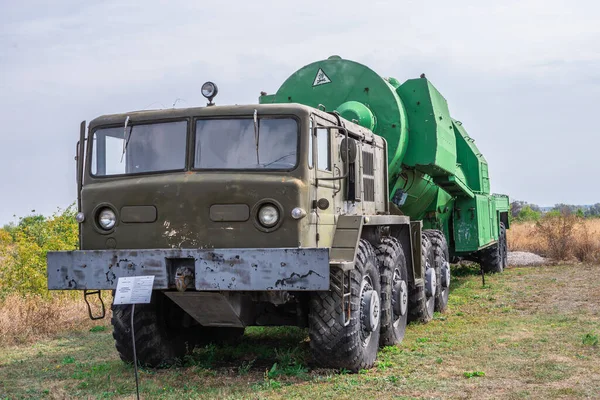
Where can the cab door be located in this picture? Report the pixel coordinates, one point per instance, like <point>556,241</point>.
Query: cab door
<point>325,191</point>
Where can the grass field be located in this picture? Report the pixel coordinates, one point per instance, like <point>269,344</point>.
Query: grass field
<point>529,333</point>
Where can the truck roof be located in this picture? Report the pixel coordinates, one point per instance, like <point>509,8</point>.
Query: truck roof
<point>300,110</point>
<point>226,110</point>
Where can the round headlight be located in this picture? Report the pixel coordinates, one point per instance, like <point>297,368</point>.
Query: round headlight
<point>209,90</point>
<point>268,216</point>
<point>107,219</point>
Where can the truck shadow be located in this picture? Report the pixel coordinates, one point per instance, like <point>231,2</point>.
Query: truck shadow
<point>259,348</point>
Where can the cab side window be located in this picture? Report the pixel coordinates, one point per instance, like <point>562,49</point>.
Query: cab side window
<point>323,149</point>
<point>310,145</point>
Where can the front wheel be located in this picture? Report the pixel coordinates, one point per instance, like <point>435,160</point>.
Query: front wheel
<point>157,342</point>
<point>335,340</point>
<point>161,337</point>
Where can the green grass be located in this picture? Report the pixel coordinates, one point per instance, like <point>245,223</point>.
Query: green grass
<point>529,333</point>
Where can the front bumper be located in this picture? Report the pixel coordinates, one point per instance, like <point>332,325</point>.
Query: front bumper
<point>295,269</point>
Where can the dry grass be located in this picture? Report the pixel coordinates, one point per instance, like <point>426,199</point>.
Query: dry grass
<point>560,239</point>
<point>31,318</point>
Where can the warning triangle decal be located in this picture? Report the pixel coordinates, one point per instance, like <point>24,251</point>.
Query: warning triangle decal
<point>321,78</point>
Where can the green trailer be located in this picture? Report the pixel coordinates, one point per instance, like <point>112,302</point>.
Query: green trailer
<point>436,173</point>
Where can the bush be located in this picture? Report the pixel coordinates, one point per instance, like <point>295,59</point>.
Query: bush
<point>23,249</point>
<point>528,214</point>
<point>560,236</point>
<point>557,229</point>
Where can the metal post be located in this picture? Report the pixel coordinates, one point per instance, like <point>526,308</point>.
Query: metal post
<point>137,385</point>
<point>482,277</point>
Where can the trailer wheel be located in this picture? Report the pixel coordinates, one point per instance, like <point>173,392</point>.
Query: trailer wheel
<point>422,297</point>
<point>442,268</point>
<point>352,346</point>
<point>394,291</point>
<point>495,258</point>
<point>504,245</point>
<point>160,337</point>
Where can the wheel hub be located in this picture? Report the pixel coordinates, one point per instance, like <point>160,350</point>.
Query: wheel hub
<point>400,298</point>
<point>446,275</point>
<point>370,310</point>
<point>430,282</point>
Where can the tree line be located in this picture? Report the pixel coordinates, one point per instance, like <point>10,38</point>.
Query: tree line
<point>524,211</point>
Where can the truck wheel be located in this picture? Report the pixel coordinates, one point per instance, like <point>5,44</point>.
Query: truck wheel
<point>504,247</point>
<point>394,291</point>
<point>160,337</point>
<point>157,344</point>
<point>422,297</point>
<point>495,258</point>
<point>442,268</point>
<point>353,346</point>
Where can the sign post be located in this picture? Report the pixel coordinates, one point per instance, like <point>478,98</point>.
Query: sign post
<point>134,290</point>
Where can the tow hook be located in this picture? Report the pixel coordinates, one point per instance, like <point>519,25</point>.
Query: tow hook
<point>184,278</point>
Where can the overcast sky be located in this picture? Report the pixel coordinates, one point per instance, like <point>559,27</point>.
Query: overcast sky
<point>523,76</point>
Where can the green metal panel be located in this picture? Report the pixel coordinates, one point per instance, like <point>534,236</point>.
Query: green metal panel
<point>494,226</point>
<point>475,223</point>
<point>418,189</point>
<point>439,212</point>
<point>502,202</point>
<point>471,160</point>
<point>432,145</point>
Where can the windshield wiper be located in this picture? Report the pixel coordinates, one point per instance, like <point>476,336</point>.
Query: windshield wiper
<point>128,137</point>
<point>279,159</point>
<point>256,134</point>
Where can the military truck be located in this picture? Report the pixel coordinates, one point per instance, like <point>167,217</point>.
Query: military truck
<point>335,204</point>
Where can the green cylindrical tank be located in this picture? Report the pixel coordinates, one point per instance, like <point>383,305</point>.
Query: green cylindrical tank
<point>414,119</point>
<point>358,94</point>
<point>435,172</point>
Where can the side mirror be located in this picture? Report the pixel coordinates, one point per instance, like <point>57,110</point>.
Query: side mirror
<point>349,156</point>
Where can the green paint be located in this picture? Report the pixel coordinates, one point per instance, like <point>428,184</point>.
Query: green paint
<point>433,164</point>
<point>351,82</point>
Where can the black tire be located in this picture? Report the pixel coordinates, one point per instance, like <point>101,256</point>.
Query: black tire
<point>392,268</point>
<point>160,337</point>
<point>495,257</point>
<point>422,306</point>
<point>504,247</point>
<point>332,343</point>
<point>441,257</point>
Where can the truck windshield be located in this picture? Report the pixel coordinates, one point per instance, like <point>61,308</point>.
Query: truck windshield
<point>143,148</point>
<point>239,144</point>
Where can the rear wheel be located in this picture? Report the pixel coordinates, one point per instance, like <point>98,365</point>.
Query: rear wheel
<point>439,247</point>
<point>394,291</point>
<point>495,257</point>
<point>422,297</point>
<point>354,345</point>
<point>504,247</point>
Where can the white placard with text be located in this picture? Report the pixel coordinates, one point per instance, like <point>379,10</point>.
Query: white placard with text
<point>134,290</point>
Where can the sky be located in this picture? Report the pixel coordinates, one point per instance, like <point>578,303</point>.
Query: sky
<point>523,76</point>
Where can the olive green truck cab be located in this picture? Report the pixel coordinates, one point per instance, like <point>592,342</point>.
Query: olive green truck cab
<point>280,213</point>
